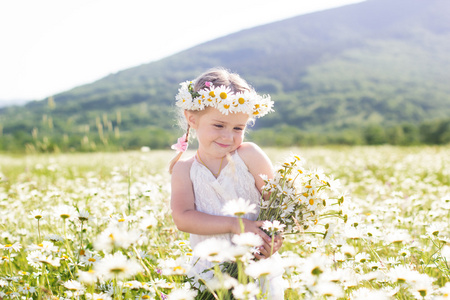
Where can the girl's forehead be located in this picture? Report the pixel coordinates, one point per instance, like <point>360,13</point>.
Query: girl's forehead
<point>214,114</point>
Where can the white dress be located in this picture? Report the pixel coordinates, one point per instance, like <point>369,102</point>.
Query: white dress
<point>211,194</point>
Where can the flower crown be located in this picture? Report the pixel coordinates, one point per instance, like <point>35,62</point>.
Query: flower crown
<point>223,99</point>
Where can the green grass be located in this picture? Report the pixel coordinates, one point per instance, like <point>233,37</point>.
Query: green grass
<point>392,192</point>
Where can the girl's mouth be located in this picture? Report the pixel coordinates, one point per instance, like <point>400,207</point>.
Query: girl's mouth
<point>222,145</point>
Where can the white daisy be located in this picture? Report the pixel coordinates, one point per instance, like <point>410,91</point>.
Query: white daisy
<point>225,106</point>
<point>369,294</point>
<point>239,207</point>
<point>88,277</point>
<point>221,282</point>
<point>117,266</point>
<point>89,258</point>
<point>264,267</point>
<point>133,285</point>
<point>328,289</point>
<point>213,249</point>
<point>114,237</point>
<point>36,214</point>
<point>362,257</point>
<point>11,247</point>
<point>74,285</point>
<point>84,215</point>
<point>170,266</point>
<point>243,102</point>
<point>27,289</point>
<point>274,226</point>
<point>184,97</point>
<point>246,291</point>
<point>36,258</point>
<point>96,296</point>
<point>65,212</point>
<point>182,294</point>
<point>248,239</point>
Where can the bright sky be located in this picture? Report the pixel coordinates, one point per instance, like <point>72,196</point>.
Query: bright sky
<point>49,46</point>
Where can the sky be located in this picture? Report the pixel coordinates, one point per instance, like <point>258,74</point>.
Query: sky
<point>50,46</point>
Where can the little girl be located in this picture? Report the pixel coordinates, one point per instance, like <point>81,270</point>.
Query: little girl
<point>218,105</point>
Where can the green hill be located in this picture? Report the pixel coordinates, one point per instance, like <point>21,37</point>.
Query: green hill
<point>373,72</point>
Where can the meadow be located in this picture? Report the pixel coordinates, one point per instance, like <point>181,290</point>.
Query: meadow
<point>98,226</point>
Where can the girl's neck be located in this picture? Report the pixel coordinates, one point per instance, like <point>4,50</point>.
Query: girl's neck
<point>215,166</point>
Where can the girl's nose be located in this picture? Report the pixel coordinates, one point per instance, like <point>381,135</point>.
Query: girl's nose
<point>228,136</point>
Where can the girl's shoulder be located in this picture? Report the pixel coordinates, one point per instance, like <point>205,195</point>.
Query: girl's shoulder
<point>249,149</point>
<point>183,166</point>
<point>253,155</point>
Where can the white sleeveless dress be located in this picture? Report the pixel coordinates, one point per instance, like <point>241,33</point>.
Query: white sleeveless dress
<point>211,194</point>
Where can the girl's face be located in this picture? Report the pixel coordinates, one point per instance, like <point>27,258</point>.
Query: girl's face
<point>218,134</point>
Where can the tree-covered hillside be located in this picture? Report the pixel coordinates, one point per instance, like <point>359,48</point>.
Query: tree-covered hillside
<point>373,72</point>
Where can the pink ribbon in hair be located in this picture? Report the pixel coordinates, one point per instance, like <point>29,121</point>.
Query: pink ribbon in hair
<point>208,83</point>
<point>181,145</point>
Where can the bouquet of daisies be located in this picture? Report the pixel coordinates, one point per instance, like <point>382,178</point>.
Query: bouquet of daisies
<point>297,199</point>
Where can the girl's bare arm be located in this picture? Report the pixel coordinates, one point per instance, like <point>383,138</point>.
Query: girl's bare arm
<point>188,219</point>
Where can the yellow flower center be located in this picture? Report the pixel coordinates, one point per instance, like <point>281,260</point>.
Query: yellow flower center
<point>178,268</point>
<point>226,106</point>
<point>212,94</point>
<point>8,245</point>
<point>146,297</point>
<point>121,220</point>
<point>92,259</point>
<point>223,95</point>
<point>311,201</point>
<point>241,100</point>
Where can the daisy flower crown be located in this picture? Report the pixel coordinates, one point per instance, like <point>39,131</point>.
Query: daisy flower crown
<point>222,98</point>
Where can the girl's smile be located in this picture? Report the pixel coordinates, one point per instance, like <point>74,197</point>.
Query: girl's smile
<point>217,134</point>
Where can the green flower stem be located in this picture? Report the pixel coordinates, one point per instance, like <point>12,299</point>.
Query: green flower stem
<point>373,251</point>
<point>10,263</point>
<point>242,278</point>
<point>272,242</point>
<point>39,232</point>
<point>219,274</point>
<point>129,191</point>
<point>241,224</point>
<point>142,262</point>
<point>68,268</point>
<point>81,242</point>
<point>44,274</point>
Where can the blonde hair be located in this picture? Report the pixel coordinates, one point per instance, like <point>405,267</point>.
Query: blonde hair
<point>217,76</point>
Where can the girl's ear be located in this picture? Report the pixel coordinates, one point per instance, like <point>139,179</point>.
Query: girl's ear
<point>191,119</point>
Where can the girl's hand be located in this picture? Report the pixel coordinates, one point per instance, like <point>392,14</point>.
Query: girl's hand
<point>265,249</point>
<point>251,226</point>
<point>255,227</point>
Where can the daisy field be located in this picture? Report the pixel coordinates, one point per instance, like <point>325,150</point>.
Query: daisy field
<point>98,226</point>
